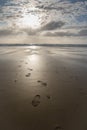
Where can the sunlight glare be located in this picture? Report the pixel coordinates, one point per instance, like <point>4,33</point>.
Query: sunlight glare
<point>31,21</point>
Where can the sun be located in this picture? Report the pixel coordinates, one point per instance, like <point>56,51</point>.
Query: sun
<point>31,21</point>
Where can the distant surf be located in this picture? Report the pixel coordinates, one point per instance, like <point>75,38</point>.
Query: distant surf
<point>44,44</point>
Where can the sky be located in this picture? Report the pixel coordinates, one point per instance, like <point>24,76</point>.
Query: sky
<point>43,21</point>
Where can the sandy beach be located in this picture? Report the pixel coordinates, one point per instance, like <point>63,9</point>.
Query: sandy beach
<point>43,88</point>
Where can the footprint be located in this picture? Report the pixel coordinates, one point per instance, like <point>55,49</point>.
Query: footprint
<point>28,75</point>
<point>19,66</point>
<point>58,128</point>
<point>36,101</point>
<point>45,84</point>
<point>15,80</point>
<point>30,69</point>
<point>48,96</point>
<point>26,63</point>
<point>39,81</point>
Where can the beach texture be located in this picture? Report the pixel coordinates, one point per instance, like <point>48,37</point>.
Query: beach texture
<point>43,88</point>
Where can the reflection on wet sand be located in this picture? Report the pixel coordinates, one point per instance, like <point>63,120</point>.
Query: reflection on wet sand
<point>43,88</point>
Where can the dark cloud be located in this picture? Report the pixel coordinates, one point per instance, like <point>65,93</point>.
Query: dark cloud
<point>53,25</point>
<point>5,32</point>
<point>29,31</point>
<point>53,33</point>
<point>9,31</point>
<point>49,7</point>
<point>59,34</point>
<point>83,32</point>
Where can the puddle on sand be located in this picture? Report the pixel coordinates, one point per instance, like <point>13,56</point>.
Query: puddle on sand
<point>36,101</point>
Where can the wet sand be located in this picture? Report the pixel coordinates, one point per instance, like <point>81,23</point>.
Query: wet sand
<point>43,88</point>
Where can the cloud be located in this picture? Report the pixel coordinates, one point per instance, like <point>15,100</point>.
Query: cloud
<point>83,33</point>
<point>59,34</point>
<point>58,18</point>
<point>53,25</point>
<point>32,32</point>
<point>9,32</point>
<point>29,31</point>
<point>13,32</point>
<point>49,7</point>
<point>5,32</point>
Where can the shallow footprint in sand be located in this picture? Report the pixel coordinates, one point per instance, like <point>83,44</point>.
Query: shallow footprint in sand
<point>19,66</point>
<point>36,101</point>
<point>58,128</point>
<point>39,81</point>
<point>30,69</point>
<point>15,80</point>
<point>44,84</point>
<point>48,96</point>
<point>28,75</point>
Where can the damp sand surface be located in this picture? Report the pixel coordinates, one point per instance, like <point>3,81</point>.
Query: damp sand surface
<point>43,88</point>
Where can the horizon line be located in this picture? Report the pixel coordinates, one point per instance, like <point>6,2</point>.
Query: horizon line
<point>42,44</point>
